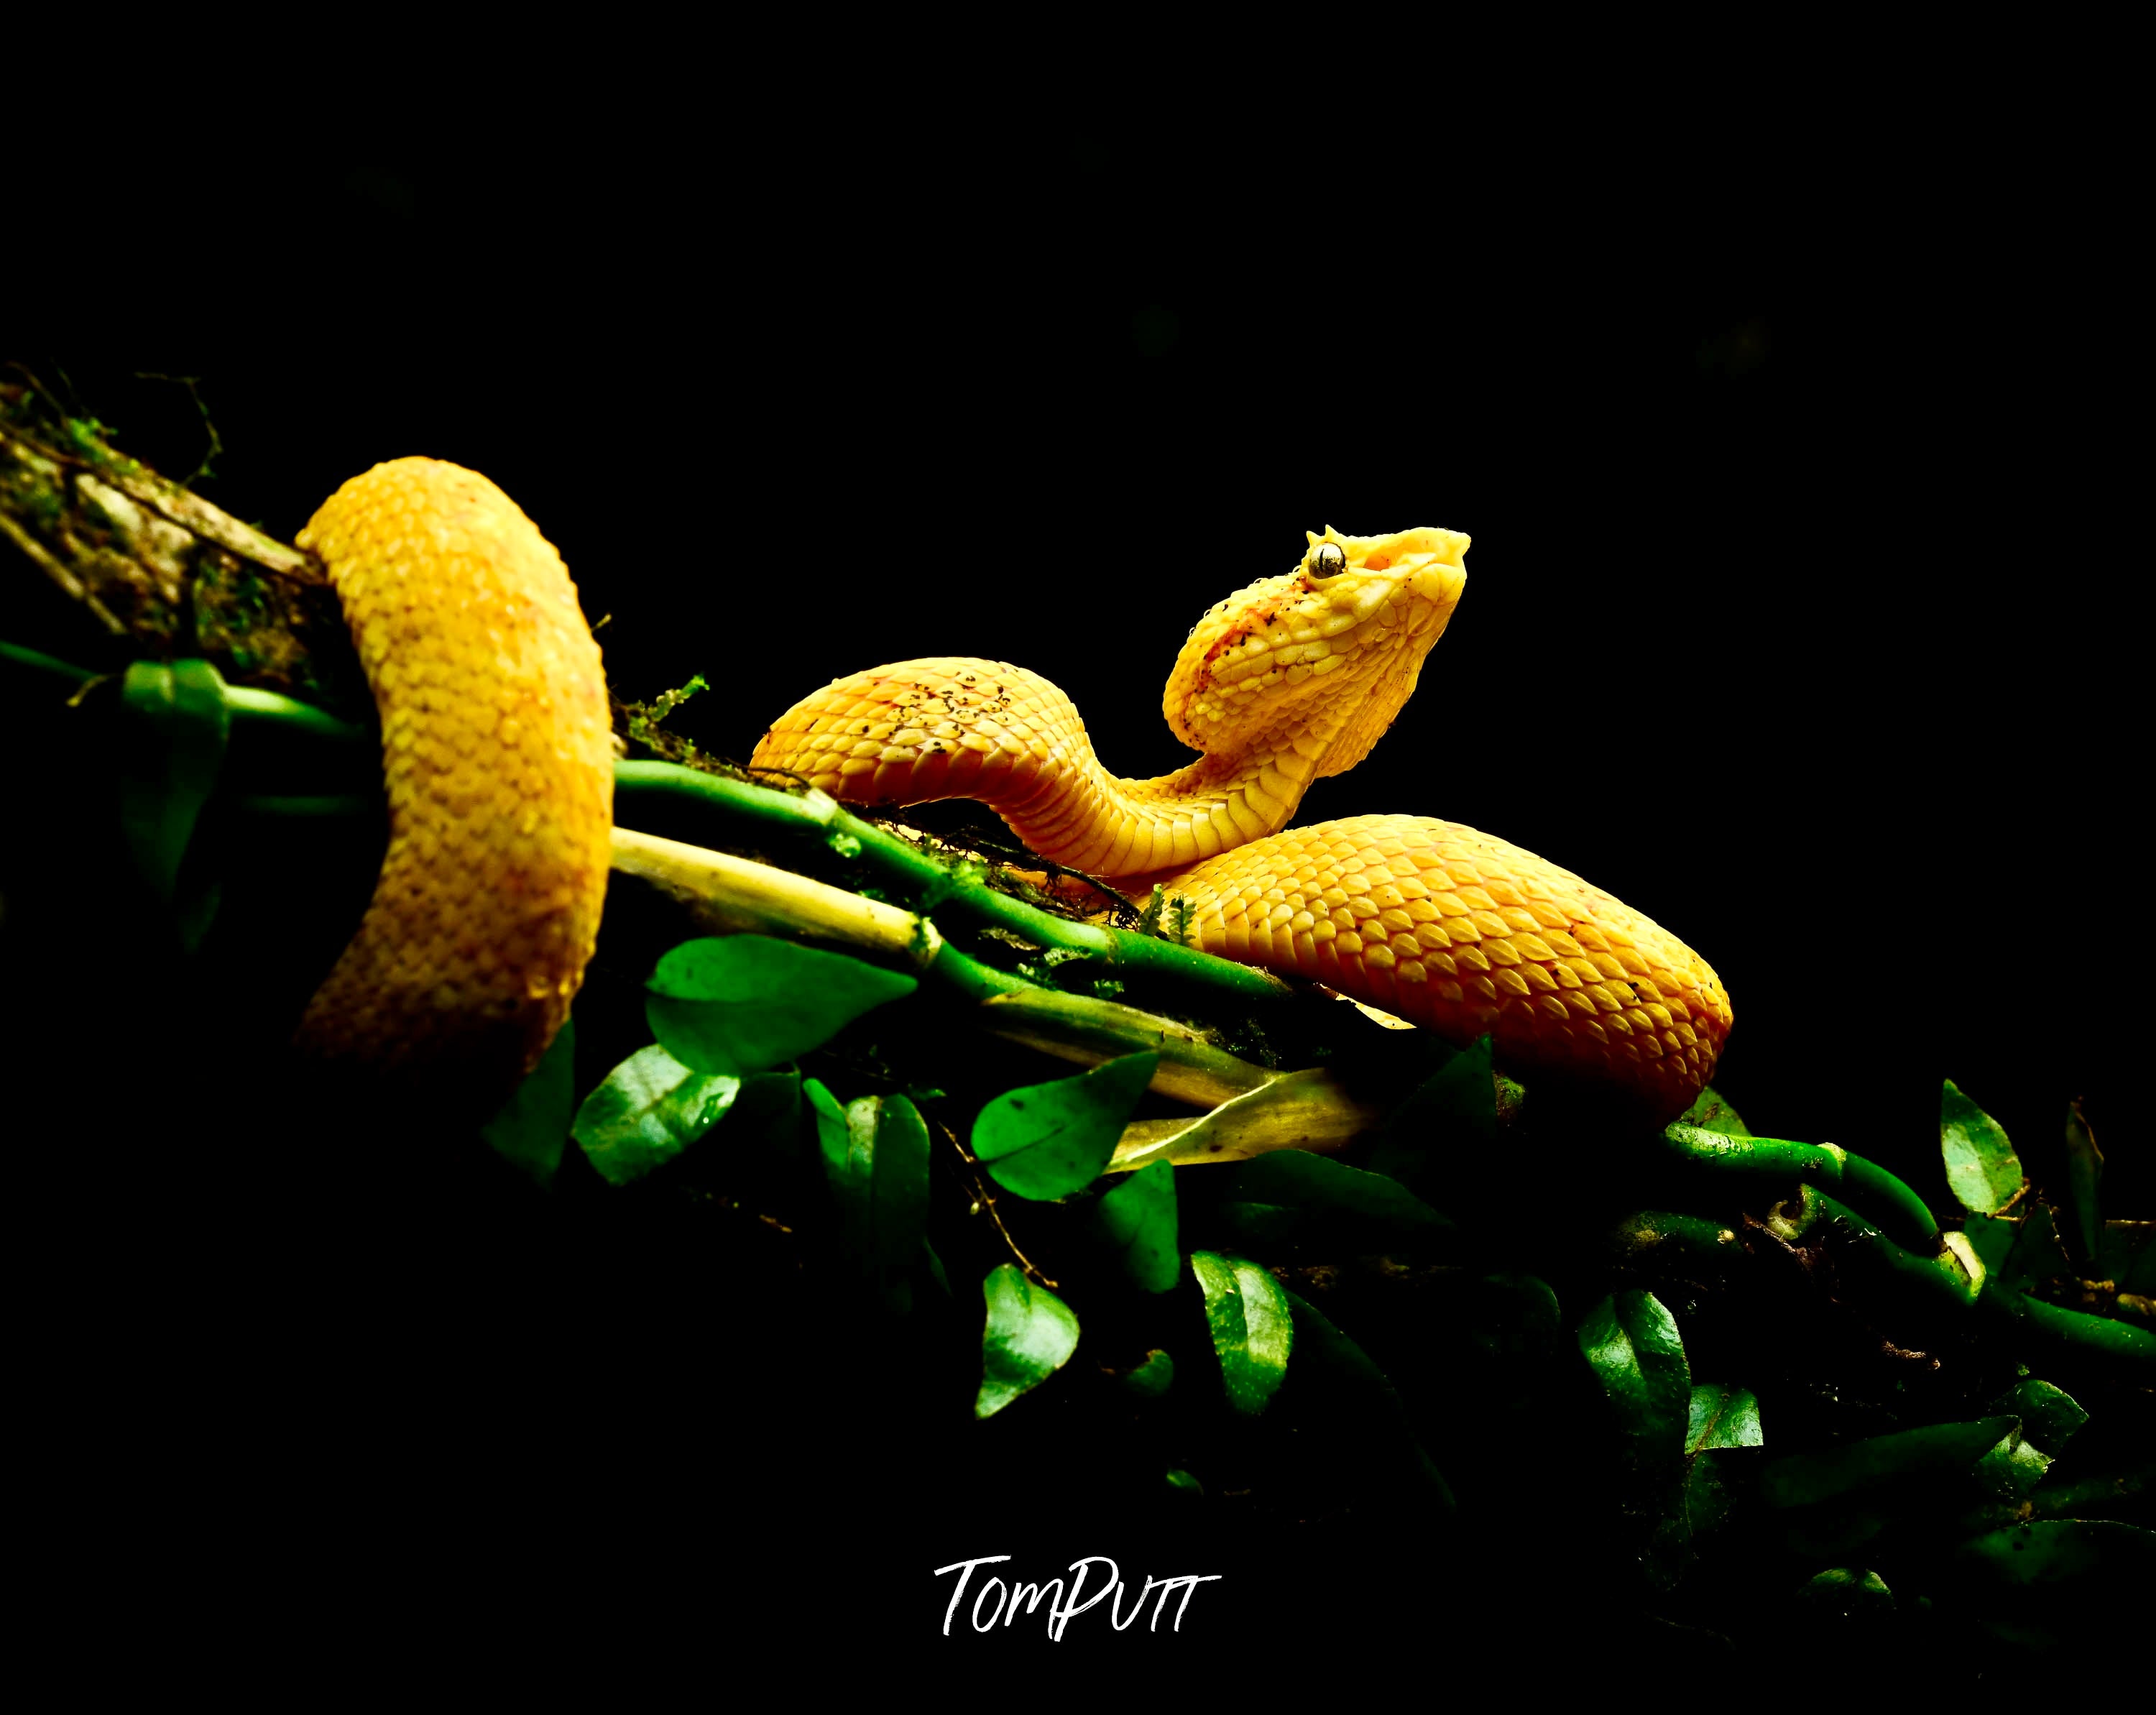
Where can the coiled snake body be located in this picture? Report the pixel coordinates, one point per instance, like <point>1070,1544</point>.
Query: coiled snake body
<point>1291,680</point>
<point>498,763</point>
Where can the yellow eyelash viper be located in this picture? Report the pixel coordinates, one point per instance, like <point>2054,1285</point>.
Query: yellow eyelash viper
<point>498,764</point>
<point>1291,680</point>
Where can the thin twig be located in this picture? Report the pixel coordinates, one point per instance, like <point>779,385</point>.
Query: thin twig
<point>216,441</point>
<point>71,587</point>
<point>986,1198</point>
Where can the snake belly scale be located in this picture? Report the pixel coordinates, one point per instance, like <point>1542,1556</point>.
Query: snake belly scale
<point>1291,680</point>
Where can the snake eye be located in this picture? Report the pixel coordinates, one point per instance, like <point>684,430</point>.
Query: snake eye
<point>1328,561</point>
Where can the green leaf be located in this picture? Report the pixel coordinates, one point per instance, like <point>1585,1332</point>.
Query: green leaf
<point>1272,1195</point>
<point>1687,1503</point>
<point>1722,1416</point>
<point>2054,1550</point>
<point>899,1158</point>
<point>2017,1250</point>
<point>1046,1141</point>
<point>2012,1465</point>
<point>2037,1254</point>
<point>1137,1219</point>
<point>1846,1590</point>
<point>173,744</point>
<point>1253,1331</point>
<point>2049,1415</point>
<point>1803,1479</point>
<point>1983,1171</point>
<point>1454,1114</point>
<point>1835,1528</point>
<point>935,1265</point>
<point>875,1160</point>
<point>650,1108</point>
<point>833,1142</point>
<point>2126,1252</point>
<point>1992,1238</point>
<point>2084,1176</point>
<point>1262,1226</point>
<point>741,1003</point>
<point>1515,1316</point>
<point>532,1128</point>
<point>1710,1113</point>
<point>2101,1496</point>
<point>1683,1508</point>
<point>2075,1585</point>
<point>1153,1378</point>
<point>1370,1419</point>
<point>1295,1111</point>
<point>1030,1334</point>
<point>767,1111</point>
<point>1630,1342</point>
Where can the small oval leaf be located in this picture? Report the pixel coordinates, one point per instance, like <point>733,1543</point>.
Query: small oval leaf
<point>1710,1112</point>
<point>1454,1113</point>
<point>1722,1416</point>
<point>1136,1220</point>
<point>532,1127</point>
<point>1153,1378</point>
<point>1362,1415</point>
<point>738,1003</point>
<point>1030,1334</point>
<point>1046,1141</point>
<point>2084,1181</point>
<point>178,727</point>
<point>1630,1342</point>
<point>1252,1327</point>
<point>1983,1171</point>
<point>650,1108</point>
<point>875,1157</point>
<point>2049,1415</point>
<point>2062,1550</point>
<point>1846,1591</point>
<point>1939,1449</point>
<point>1319,1187</point>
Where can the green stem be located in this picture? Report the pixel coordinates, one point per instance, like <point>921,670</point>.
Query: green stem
<point>747,896</point>
<point>1871,1183</point>
<point>2076,1330</point>
<point>736,807</point>
<point>1886,1197</point>
<point>1949,1278</point>
<point>348,805</point>
<point>34,661</point>
<point>251,707</point>
<point>1663,1239</point>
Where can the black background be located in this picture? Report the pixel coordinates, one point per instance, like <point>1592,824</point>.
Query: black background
<point>1799,612</point>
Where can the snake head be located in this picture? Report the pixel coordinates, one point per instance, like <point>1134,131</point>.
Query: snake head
<point>1319,660</point>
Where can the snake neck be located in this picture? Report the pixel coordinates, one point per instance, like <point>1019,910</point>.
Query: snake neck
<point>956,727</point>
<point>1081,816</point>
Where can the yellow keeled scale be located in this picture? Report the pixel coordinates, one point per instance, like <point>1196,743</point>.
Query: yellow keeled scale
<point>499,765</point>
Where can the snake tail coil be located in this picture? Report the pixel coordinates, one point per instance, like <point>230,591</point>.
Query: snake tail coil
<point>498,762</point>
